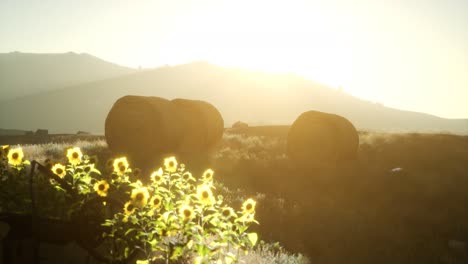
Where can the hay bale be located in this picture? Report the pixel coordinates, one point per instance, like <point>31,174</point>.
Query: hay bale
<point>142,128</point>
<point>240,125</point>
<point>202,124</point>
<point>321,140</point>
<point>146,129</point>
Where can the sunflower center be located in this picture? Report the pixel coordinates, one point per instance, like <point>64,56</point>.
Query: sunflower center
<point>101,187</point>
<point>208,175</point>
<point>171,164</point>
<point>130,207</point>
<point>58,171</point>
<point>226,213</point>
<point>249,207</point>
<point>157,178</point>
<point>205,195</point>
<point>122,168</point>
<point>15,156</point>
<point>156,201</point>
<point>75,155</point>
<point>139,197</point>
<point>187,213</point>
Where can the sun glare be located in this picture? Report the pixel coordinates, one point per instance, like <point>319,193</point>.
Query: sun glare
<point>296,41</point>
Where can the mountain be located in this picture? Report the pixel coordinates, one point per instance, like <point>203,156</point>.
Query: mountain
<point>253,97</point>
<point>23,74</point>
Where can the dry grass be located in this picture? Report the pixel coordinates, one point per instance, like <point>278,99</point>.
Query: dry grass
<point>360,212</point>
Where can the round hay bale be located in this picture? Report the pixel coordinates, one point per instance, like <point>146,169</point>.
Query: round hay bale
<point>142,128</point>
<point>240,125</point>
<point>348,138</point>
<point>321,140</point>
<point>202,125</point>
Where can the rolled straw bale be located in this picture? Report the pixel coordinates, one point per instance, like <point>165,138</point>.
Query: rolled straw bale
<point>142,127</point>
<point>349,142</point>
<point>202,125</point>
<point>318,140</point>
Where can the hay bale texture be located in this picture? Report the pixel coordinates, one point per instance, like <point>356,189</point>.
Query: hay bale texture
<point>202,124</point>
<point>321,140</point>
<point>148,128</point>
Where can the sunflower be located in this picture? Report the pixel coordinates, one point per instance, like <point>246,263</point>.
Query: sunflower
<point>59,170</point>
<point>120,166</point>
<point>248,206</point>
<point>74,155</point>
<point>140,196</point>
<point>208,175</point>
<point>129,208</point>
<point>88,168</point>
<point>136,172</point>
<point>228,212</point>
<point>157,176</point>
<point>156,201</point>
<point>110,165</point>
<point>15,156</point>
<point>204,194</point>
<point>187,176</point>
<point>101,188</point>
<point>170,164</point>
<point>186,212</point>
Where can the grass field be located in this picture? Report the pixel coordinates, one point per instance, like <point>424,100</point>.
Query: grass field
<point>360,212</point>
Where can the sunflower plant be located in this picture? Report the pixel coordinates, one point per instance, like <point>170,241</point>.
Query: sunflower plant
<point>14,180</point>
<point>177,216</point>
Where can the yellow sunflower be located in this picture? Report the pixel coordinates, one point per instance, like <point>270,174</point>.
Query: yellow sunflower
<point>248,206</point>
<point>187,176</point>
<point>140,196</point>
<point>156,201</point>
<point>204,194</point>
<point>228,212</point>
<point>74,155</point>
<point>129,208</point>
<point>59,170</point>
<point>170,164</point>
<point>208,175</point>
<point>88,168</point>
<point>101,188</point>
<point>15,156</point>
<point>120,166</point>
<point>186,212</point>
<point>157,176</point>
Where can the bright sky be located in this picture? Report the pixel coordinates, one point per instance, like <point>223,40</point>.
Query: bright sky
<point>407,54</point>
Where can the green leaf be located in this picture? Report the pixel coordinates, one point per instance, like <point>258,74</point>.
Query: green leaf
<point>142,262</point>
<point>190,244</point>
<point>129,231</point>
<point>253,237</point>
<point>177,253</point>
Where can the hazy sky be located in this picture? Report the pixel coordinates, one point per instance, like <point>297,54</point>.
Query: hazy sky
<point>406,54</point>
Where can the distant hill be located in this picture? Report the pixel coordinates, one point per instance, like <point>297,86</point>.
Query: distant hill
<point>253,97</point>
<point>23,74</point>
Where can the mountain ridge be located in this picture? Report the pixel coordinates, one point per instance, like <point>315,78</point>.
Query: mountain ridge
<point>257,98</point>
<point>23,74</point>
